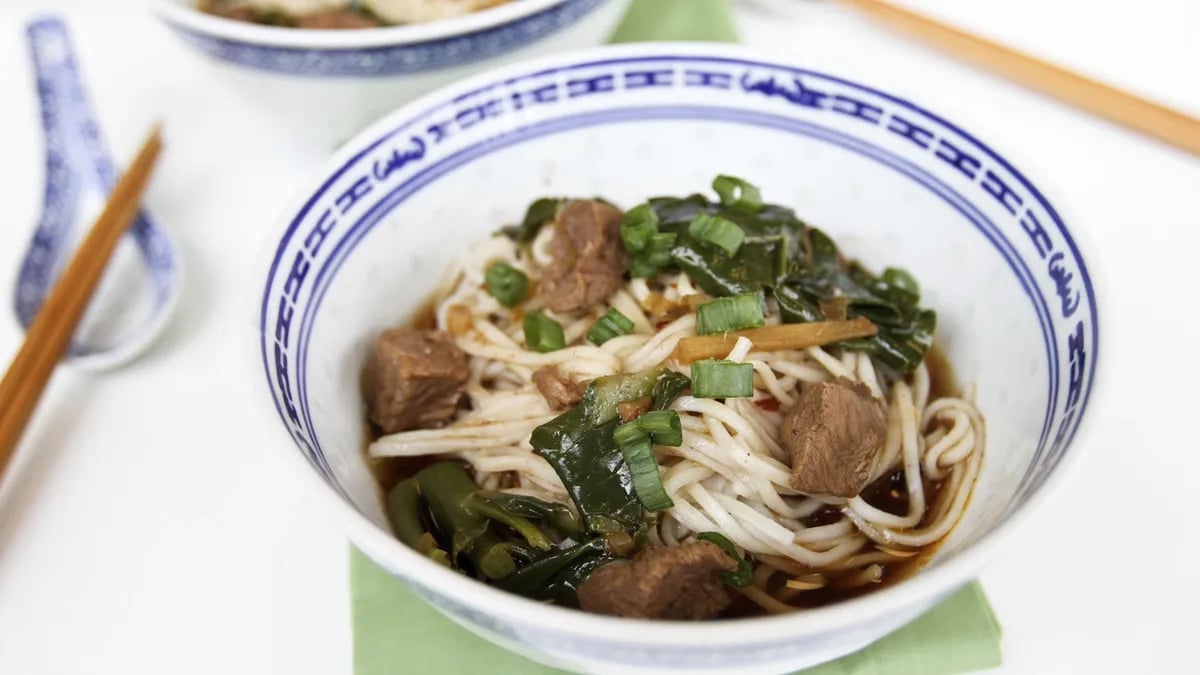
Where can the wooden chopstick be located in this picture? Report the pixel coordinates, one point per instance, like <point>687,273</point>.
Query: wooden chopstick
<point>52,328</point>
<point>1102,100</point>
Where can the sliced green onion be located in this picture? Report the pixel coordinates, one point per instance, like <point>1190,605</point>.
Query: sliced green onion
<point>629,433</point>
<point>901,279</point>
<point>639,455</point>
<point>543,334</point>
<point>638,225</point>
<point>722,379</point>
<point>657,253</point>
<point>742,576</point>
<point>663,426</point>
<point>506,283</point>
<point>604,394</point>
<point>728,314</point>
<point>641,268</point>
<point>717,231</point>
<point>738,193</point>
<point>612,324</point>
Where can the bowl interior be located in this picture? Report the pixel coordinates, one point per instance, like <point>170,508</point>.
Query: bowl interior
<point>894,185</point>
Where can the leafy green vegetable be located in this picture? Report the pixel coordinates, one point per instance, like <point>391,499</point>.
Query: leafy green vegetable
<point>532,579</point>
<point>404,511</point>
<point>802,269</point>
<point>744,574</point>
<point>557,577</point>
<point>539,213</point>
<point>520,524</point>
<point>668,388</point>
<point>446,487</point>
<point>591,467</point>
<point>579,445</point>
<point>550,513</point>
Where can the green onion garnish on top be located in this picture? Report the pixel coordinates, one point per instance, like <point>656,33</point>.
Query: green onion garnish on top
<point>663,426</point>
<point>638,225</point>
<point>506,283</point>
<point>728,314</point>
<point>638,452</point>
<point>722,379</point>
<point>737,193</point>
<point>656,254</point>
<point>612,324</point>
<point>543,334</point>
<point>717,231</point>
<point>744,574</point>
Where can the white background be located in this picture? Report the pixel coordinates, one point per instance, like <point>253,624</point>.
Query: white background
<point>143,529</point>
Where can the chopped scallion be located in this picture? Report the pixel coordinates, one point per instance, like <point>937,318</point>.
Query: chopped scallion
<point>638,226</point>
<point>744,574</point>
<point>639,456</point>
<point>656,254</point>
<point>722,379</point>
<point>543,334</point>
<point>663,426</point>
<point>728,314</point>
<point>717,231</point>
<point>738,193</point>
<point>612,324</point>
<point>628,433</point>
<point>506,283</point>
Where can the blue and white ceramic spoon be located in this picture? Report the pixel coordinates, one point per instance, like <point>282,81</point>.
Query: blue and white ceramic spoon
<point>142,285</point>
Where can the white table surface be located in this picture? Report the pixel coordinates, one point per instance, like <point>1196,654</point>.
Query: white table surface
<point>143,530</point>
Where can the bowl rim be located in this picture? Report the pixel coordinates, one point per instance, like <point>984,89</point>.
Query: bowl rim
<point>184,14</point>
<point>924,587</point>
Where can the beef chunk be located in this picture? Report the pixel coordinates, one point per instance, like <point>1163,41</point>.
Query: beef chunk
<point>589,258</point>
<point>336,19</point>
<point>560,391</point>
<point>414,379</point>
<point>672,582</point>
<point>835,435</point>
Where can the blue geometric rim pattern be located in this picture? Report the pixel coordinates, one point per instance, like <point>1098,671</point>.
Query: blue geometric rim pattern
<point>285,347</point>
<point>399,59</point>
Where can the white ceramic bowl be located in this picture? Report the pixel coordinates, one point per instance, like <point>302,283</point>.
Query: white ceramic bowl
<point>338,80</point>
<point>894,184</point>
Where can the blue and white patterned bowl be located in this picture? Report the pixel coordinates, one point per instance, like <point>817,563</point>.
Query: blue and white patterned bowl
<point>397,50</point>
<point>893,182</point>
<point>323,85</point>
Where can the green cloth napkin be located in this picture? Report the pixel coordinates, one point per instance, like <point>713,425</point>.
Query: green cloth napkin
<point>395,632</point>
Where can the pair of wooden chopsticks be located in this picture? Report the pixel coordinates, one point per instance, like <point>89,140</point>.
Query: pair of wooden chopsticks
<point>51,331</point>
<point>1102,100</point>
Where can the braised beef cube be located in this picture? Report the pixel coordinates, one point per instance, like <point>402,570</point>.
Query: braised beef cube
<point>414,379</point>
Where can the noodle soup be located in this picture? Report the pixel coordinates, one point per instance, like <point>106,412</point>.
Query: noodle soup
<point>694,409</point>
